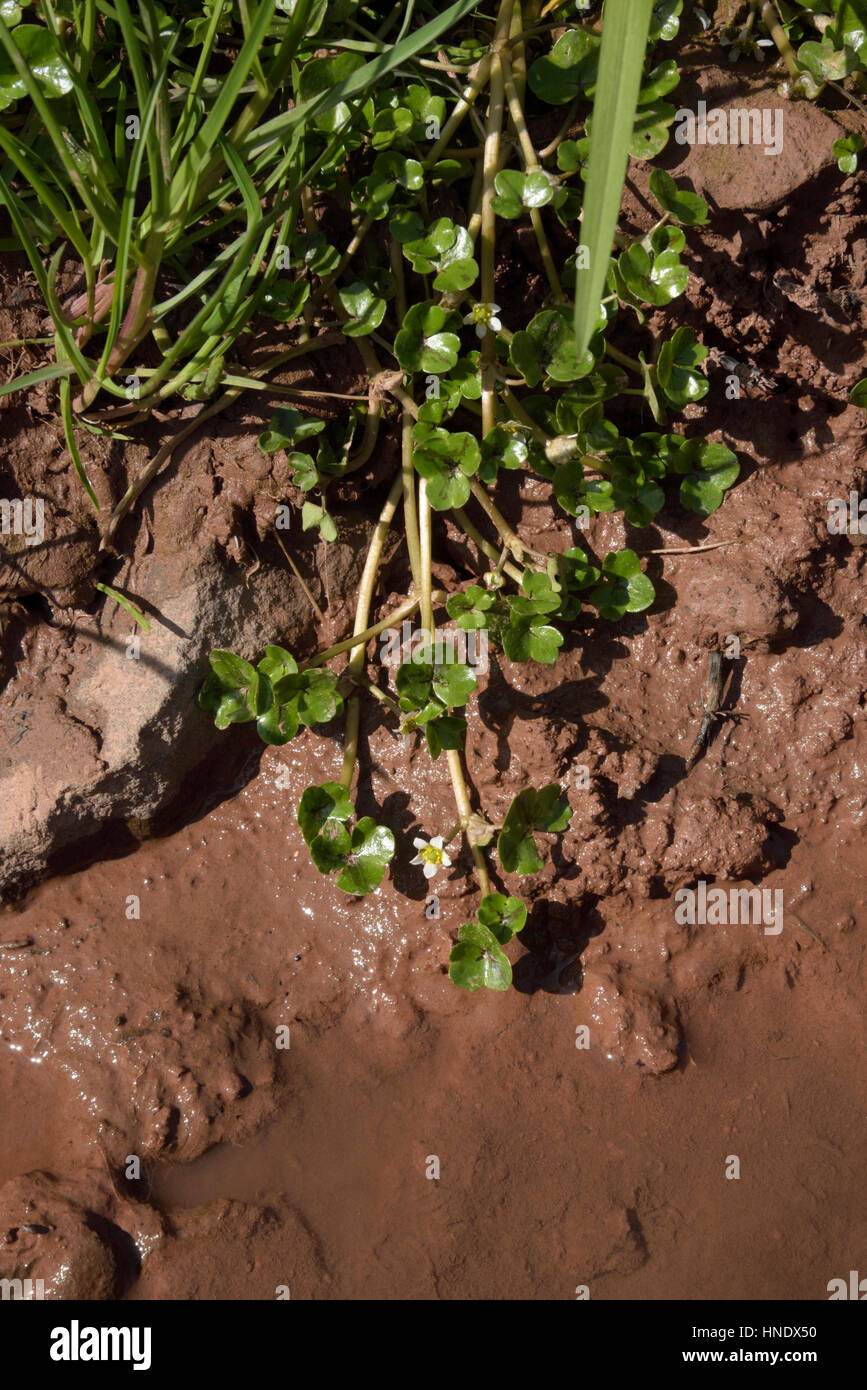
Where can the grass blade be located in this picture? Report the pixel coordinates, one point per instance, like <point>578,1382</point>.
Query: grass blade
<point>71,444</point>
<point>125,603</point>
<point>625,25</point>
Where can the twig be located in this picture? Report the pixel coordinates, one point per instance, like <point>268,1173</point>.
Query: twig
<point>299,576</point>
<point>693,549</point>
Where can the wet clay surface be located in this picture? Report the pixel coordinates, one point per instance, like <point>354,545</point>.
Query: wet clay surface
<point>163,1140</point>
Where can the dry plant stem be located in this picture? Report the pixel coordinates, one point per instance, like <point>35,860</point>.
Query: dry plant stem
<point>465,810</point>
<point>692,549</point>
<point>622,360</point>
<point>362,615</point>
<point>426,557</point>
<point>511,538</point>
<point>397,615</point>
<point>408,415</point>
<point>487,232</point>
<point>456,770</point>
<point>531,161</point>
<point>771,21</point>
<point>484,546</point>
<point>476,84</point>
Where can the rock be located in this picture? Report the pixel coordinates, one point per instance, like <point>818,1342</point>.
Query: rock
<point>742,177</point>
<point>95,743</point>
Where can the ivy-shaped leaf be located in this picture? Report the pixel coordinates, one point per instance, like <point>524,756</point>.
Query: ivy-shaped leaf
<point>445,731</point>
<point>684,207</point>
<point>710,470</point>
<point>321,804</point>
<point>288,427</point>
<point>365,307</point>
<point>505,917</point>
<point>515,192</point>
<point>447,459</point>
<point>624,588</point>
<point>44,57</point>
<point>676,367</point>
<point>548,346</point>
<point>531,810</point>
<point>478,960</point>
<point>571,66</point>
<point>418,682</point>
<point>653,278</point>
<point>371,849</point>
<point>428,341</point>
<point>471,607</point>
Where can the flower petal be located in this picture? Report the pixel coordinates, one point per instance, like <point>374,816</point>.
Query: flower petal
<point>430,870</point>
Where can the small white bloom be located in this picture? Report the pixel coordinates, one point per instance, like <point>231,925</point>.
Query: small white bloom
<point>431,854</point>
<point>484,316</point>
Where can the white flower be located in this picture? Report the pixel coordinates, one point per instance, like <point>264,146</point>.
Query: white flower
<point>484,316</point>
<point>431,854</point>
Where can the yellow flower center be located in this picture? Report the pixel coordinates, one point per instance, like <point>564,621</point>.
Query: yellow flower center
<point>431,855</point>
<point>482,313</point>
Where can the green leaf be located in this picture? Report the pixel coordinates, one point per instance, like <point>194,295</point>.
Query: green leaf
<point>287,428</point>
<point>43,56</point>
<point>276,663</point>
<point>710,469</point>
<point>526,640</point>
<point>371,849</point>
<point>126,604</point>
<point>428,341</point>
<point>676,368</point>
<point>858,394</point>
<point>284,299</point>
<point>321,75</point>
<point>330,849</point>
<point>685,207</point>
<point>321,804</point>
<point>650,132</point>
<point>365,307</point>
<point>559,76</point>
<point>234,690</point>
<point>665,20</point>
<point>449,682</point>
<point>846,151</point>
<point>515,192</point>
<point>470,608</point>
<point>531,810</point>
<point>445,731</point>
<point>447,459</point>
<point>552,337</point>
<point>624,588</point>
<point>621,61</point>
<point>478,960</point>
<point>314,515</point>
<point>505,917</point>
<point>654,279</point>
